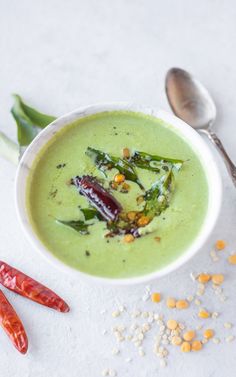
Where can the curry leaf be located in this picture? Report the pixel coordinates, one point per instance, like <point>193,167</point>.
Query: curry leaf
<point>28,120</point>
<point>8,149</point>
<point>154,162</point>
<point>26,130</point>
<point>158,196</point>
<point>104,161</point>
<point>78,225</point>
<point>91,213</point>
<point>39,119</point>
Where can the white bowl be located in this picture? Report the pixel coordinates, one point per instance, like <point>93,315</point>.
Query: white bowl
<point>183,129</point>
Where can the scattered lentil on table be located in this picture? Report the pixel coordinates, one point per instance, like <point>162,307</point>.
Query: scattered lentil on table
<point>171,331</point>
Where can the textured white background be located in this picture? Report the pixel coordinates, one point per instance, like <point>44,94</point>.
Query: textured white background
<point>62,54</point>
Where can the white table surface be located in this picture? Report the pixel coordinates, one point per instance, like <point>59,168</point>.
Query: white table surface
<point>62,54</point>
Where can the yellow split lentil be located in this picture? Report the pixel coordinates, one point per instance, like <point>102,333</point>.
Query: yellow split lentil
<point>126,153</point>
<point>208,333</point>
<point>143,221</point>
<point>176,340</point>
<point>220,244</point>
<point>170,302</point>
<point>156,297</point>
<point>204,278</point>
<point>185,347</point>
<point>119,178</point>
<point>172,324</point>
<point>203,314</point>
<point>128,238</point>
<point>232,259</point>
<point>196,345</point>
<point>131,215</point>
<point>189,335</point>
<point>217,279</point>
<point>182,304</point>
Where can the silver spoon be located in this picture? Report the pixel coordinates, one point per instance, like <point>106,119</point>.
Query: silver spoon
<point>191,102</point>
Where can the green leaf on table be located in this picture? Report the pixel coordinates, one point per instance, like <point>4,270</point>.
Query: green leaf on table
<point>39,119</point>
<point>9,149</point>
<point>29,121</point>
<point>78,225</point>
<point>104,161</point>
<point>154,163</point>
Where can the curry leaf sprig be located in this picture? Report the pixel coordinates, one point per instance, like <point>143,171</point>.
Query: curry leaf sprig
<point>29,122</point>
<point>104,161</point>
<point>81,226</point>
<point>154,163</point>
<point>158,197</point>
<point>9,150</point>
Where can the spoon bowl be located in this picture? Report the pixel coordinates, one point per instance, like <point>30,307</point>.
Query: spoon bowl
<point>191,102</point>
<point>189,99</point>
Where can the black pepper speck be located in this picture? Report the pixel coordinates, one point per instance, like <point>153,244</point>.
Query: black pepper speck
<point>60,166</point>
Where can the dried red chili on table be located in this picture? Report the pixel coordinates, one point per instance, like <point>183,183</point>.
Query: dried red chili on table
<point>12,325</point>
<point>25,286</point>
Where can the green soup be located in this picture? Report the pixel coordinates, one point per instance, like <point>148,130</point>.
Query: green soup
<point>50,197</point>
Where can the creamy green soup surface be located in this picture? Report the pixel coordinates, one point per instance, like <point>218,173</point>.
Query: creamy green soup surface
<point>51,198</point>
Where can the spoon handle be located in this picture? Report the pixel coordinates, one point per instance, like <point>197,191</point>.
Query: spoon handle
<point>228,162</point>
